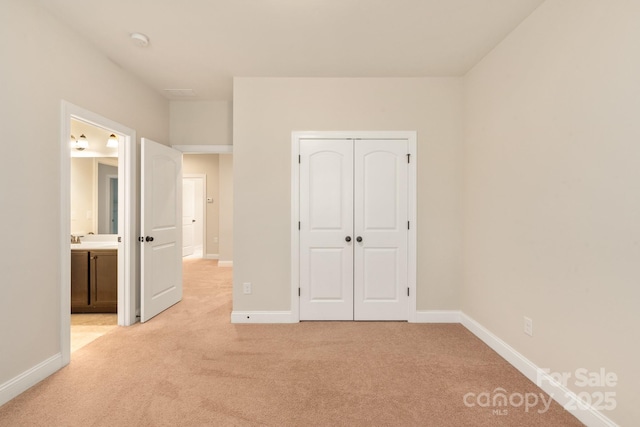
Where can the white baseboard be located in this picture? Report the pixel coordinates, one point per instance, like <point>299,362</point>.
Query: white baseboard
<point>565,397</point>
<point>29,378</point>
<point>262,317</point>
<point>225,263</point>
<point>211,256</point>
<point>437,316</point>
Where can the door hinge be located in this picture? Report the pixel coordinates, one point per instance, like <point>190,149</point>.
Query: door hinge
<point>298,225</point>
<point>408,292</point>
<point>408,225</point>
<point>298,291</point>
<point>299,158</point>
<point>408,158</point>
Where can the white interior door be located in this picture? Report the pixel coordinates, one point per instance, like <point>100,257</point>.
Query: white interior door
<point>161,215</point>
<point>326,223</point>
<point>188,216</point>
<point>353,229</point>
<point>381,229</point>
<point>199,228</point>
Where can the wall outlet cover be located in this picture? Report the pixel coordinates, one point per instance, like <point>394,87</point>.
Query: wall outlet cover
<point>246,288</point>
<point>528,326</point>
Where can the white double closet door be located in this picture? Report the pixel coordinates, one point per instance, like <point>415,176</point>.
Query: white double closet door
<point>353,229</point>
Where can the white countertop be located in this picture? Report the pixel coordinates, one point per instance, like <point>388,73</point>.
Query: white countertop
<point>94,245</point>
<point>96,241</point>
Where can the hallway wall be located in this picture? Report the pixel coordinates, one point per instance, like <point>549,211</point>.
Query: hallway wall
<point>43,63</point>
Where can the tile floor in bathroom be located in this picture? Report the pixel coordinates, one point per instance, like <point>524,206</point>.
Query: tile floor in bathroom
<point>90,326</point>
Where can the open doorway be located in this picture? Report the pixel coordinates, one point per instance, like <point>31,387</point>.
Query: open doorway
<point>213,164</point>
<point>85,135</point>
<point>94,235</point>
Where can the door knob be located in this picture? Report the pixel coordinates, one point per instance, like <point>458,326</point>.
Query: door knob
<point>149,239</point>
<point>347,239</point>
<point>358,239</point>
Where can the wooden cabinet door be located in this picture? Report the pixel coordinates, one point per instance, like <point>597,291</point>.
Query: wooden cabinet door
<point>104,281</point>
<point>80,300</point>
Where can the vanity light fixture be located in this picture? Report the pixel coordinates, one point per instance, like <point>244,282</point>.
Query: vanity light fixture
<point>83,143</point>
<point>112,142</point>
<point>79,144</point>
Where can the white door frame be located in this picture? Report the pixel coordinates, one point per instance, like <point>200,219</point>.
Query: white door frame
<point>203,178</point>
<point>411,138</point>
<point>127,253</point>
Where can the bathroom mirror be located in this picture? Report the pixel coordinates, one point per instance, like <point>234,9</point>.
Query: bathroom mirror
<point>94,195</point>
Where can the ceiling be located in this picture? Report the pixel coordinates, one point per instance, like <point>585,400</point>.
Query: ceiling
<point>203,44</point>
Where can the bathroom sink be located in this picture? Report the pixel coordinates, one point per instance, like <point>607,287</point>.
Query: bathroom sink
<point>96,241</point>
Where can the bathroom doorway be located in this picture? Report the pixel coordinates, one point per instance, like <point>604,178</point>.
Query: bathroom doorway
<point>85,135</point>
<point>94,225</point>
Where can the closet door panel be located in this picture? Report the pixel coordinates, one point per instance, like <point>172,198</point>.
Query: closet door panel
<point>380,221</point>
<point>326,220</point>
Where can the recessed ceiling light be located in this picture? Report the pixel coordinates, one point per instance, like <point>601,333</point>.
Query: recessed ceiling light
<point>140,39</point>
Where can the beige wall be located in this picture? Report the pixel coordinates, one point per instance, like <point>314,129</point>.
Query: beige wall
<point>226,207</point>
<point>201,123</point>
<point>44,62</point>
<point>267,110</point>
<point>552,193</point>
<point>207,164</point>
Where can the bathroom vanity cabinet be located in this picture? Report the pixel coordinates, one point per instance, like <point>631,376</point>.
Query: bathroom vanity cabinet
<point>94,281</point>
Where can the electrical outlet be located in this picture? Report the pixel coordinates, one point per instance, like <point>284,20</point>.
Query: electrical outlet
<point>528,326</point>
<point>246,288</point>
<point>215,239</point>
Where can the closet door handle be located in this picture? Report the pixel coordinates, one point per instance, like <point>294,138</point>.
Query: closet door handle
<point>347,239</point>
<point>358,239</point>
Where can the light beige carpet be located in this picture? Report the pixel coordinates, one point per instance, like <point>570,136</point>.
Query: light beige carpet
<point>190,367</point>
